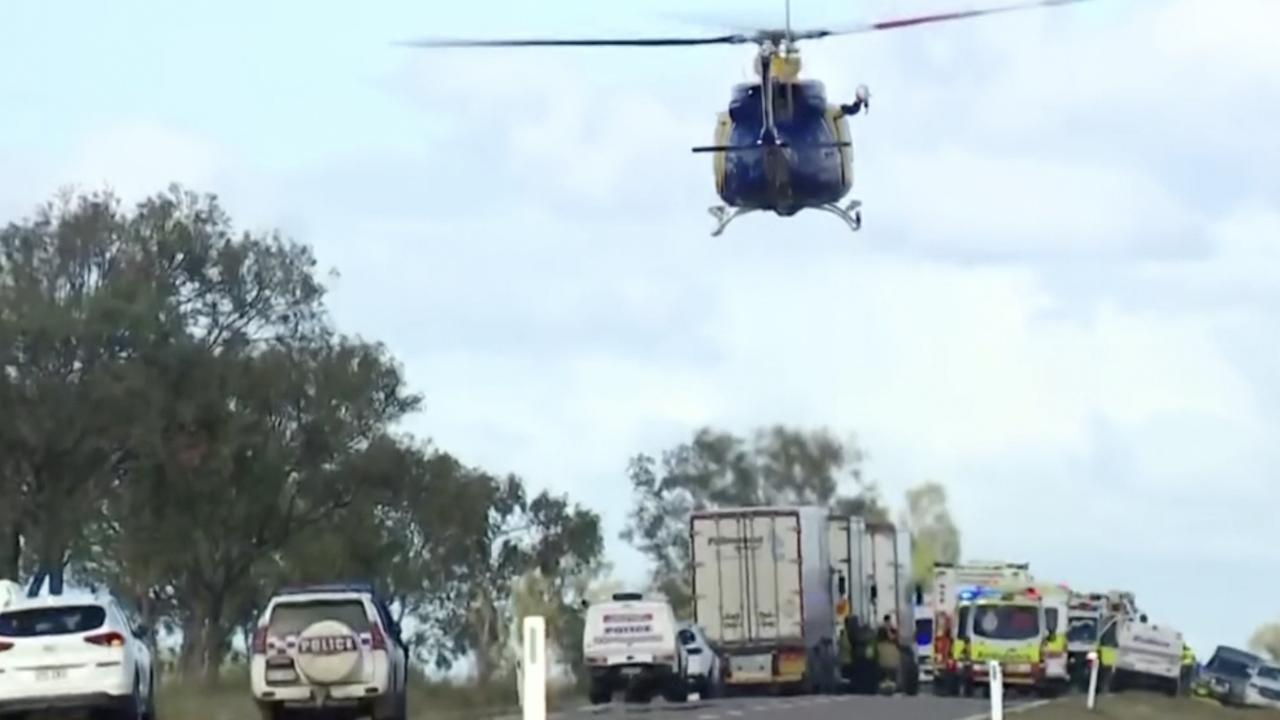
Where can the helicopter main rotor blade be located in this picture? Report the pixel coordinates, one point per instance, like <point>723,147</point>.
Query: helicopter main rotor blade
<point>927,19</point>
<point>734,39</point>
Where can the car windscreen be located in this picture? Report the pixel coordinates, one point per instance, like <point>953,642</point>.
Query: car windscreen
<point>1006,622</point>
<point>1229,667</point>
<point>1268,672</point>
<point>67,620</point>
<point>687,637</point>
<point>291,618</point>
<point>924,631</point>
<point>1082,629</point>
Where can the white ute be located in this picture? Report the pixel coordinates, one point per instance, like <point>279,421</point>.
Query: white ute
<point>74,651</point>
<point>331,649</point>
<point>630,643</point>
<point>1147,655</point>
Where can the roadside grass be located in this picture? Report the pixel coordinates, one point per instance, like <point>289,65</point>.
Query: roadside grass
<point>1143,706</point>
<point>428,700</point>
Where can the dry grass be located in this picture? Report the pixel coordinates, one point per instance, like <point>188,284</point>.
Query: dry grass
<point>232,700</point>
<point>1143,706</point>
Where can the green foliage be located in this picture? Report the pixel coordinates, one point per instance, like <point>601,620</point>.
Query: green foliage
<point>1267,640</point>
<point>780,466</point>
<point>934,535</point>
<point>183,422</point>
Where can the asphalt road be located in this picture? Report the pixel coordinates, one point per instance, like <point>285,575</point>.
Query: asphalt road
<point>816,707</point>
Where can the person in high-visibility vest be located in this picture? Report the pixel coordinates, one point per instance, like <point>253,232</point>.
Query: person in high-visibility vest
<point>1188,675</point>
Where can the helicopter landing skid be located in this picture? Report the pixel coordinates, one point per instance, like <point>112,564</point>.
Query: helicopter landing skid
<point>724,217</point>
<point>851,213</point>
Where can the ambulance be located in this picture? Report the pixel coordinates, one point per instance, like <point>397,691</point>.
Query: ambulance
<point>1009,626</point>
<point>1056,601</point>
<point>1084,622</point>
<point>950,612</point>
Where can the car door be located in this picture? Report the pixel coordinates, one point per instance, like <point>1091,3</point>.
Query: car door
<point>397,652</point>
<point>139,648</point>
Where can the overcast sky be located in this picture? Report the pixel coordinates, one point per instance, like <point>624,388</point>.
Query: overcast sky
<point>1062,305</point>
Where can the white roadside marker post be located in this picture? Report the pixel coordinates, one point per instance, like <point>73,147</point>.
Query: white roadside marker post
<point>1093,679</point>
<point>995,676</point>
<point>533,700</point>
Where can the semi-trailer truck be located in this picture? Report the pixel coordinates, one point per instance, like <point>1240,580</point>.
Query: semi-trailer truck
<point>762,590</point>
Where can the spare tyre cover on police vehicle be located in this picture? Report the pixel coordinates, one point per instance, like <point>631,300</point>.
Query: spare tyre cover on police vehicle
<point>328,652</point>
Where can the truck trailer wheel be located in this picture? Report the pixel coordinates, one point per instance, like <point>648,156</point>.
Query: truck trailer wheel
<point>911,672</point>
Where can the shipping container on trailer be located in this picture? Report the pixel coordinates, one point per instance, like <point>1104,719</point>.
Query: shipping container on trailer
<point>762,590</point>
<point>887,557</point>
<point>847,535</point>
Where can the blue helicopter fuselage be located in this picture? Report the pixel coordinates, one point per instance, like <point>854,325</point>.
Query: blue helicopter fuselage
<point>807,169</point>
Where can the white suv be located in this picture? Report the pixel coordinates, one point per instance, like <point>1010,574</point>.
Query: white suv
<point>329,648</point>
<point>76,651</point>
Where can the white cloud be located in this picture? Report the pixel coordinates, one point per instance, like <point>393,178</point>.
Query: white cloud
<point>141,158</point>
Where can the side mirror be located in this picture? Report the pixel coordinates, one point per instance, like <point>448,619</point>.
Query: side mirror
<point>142,632</point>
<point>585,603</point>
<point>842,587</point>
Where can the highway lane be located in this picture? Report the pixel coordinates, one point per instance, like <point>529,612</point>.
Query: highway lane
<point>813,707</point>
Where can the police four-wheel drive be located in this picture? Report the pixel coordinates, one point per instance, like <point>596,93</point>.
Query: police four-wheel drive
<point>329,650</point>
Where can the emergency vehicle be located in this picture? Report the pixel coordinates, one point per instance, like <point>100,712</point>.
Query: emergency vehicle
<point>1056,601</point>
<point>950,581</point>
<point>1008,626</point>
<point>1084,620</point>
<point>924,640</point>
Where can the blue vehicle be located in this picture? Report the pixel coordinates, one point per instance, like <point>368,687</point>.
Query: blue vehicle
<point>781,146</point>
<point>1226,676</point>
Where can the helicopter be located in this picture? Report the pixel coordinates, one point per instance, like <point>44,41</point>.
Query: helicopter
<point>781,146</point>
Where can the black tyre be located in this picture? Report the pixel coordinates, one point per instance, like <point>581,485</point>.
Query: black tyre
<point>150,712</point>
<point>677,690</point>
<point>132,707</point>
<point>599,693</point>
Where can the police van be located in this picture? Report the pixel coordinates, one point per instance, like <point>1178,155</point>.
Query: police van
<point>631,644</point>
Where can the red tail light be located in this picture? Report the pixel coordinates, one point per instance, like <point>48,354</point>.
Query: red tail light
<point>107,639</point>
<point>377,639</point>
<point>5,646</point>
<point>259,646</point>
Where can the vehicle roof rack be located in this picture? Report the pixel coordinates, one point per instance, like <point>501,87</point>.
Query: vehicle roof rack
<point>357,586</point>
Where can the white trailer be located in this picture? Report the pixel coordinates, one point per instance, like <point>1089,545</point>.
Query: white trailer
<point>887,556</point>
<point>762,591</point>
<point>849,577</point>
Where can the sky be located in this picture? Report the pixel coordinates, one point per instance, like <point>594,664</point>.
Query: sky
<point>1062,304</point>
